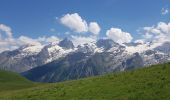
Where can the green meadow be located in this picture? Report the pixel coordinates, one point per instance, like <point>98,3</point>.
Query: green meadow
<point>149,83</point>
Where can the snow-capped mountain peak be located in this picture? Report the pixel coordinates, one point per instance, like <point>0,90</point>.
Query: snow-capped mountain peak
<point>89,48</point>
<point>30,56</point>
<point>33,49</point>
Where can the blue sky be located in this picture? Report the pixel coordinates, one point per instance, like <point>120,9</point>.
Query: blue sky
<point>35,18</point>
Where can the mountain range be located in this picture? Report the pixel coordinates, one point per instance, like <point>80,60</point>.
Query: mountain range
<point>62,61</point>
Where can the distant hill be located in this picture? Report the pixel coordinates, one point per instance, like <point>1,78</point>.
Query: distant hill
<point>13,81</point>
<point>151,83</point>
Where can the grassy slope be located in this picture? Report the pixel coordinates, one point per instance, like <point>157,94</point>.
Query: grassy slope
<point>11,81</point>
<point>151,83</point>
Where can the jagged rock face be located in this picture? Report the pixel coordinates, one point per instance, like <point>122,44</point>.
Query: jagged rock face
<point>62,61</point>
<point>84,62</point>
<point>151,57</point>
<point>165,48</point>
<point>78,65</point>
<point>62,69</point>
<point>73,66</point>
<point>134,62</point>
<point>18,60</point>
<point>89,48</point>
<point>85,48</point>
<point>28,57</point>
<point>66,43</point>
<point>106,44</point>
<point>159,54</point>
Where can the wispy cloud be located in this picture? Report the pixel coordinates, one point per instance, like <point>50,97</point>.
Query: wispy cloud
<point>165,11</point>
<point>8,42</point>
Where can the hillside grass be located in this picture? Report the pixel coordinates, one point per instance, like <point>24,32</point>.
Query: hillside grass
<point>10,81</point>
<point>151,83</point>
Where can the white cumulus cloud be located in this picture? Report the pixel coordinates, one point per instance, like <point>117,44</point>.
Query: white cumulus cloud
<point>119,36</point>
<point>155,32</point>
<point>74,22</point>
<point>94,28</point>
<point>7,42</point>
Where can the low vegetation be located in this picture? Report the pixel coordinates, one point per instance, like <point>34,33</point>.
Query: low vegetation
<point>151,83</point>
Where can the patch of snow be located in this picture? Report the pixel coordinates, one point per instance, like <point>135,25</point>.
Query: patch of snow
<point>55,52</point>
<point>33,49</point>
<point>89,47</point>
<point>143,47</point>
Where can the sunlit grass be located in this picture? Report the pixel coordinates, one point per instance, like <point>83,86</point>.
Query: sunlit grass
<point>152,83</point>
